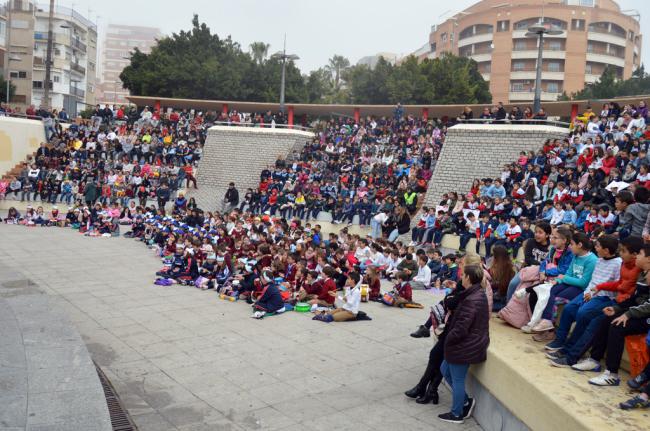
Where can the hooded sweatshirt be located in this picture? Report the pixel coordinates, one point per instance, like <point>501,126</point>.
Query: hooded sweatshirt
<point>635,217</point>
<point>580,270</point>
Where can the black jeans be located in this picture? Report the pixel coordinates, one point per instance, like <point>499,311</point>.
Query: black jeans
<point>612,338</point>
<point>432,375</point>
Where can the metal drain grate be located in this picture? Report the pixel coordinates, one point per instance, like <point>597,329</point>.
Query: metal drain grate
<point>120,419</point>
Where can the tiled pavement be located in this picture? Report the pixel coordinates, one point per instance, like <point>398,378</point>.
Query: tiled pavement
<point>181,359</point>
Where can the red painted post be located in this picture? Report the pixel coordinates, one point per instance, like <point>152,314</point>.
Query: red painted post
<point>357,115</point>
<point>224,109</point>
<point>574,112</point>
<point>290,116</point>
<point>156,108</point>
<point>425,114</point>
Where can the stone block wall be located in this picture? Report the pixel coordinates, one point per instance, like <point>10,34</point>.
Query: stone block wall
<point>480,151</point>
<point>239,154</point>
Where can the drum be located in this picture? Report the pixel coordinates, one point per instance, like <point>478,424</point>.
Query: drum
<point>302,307</point>
<point>365,292</point>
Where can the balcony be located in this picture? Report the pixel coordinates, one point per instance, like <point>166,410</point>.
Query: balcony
<point>78,68</point>
<point>477,38</point>
<point>529,96</point>
<point>78,92</point>
<point>521,34</point>
<point>531,74</point>
<point>603,57</point>
<point>486,76</point>
<point>612,38</point>
<point>79,45</point>
<point>481,57</point>
<point>590,78</point>
<point>532,53</point>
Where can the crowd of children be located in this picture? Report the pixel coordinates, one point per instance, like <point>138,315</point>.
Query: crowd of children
<point>588,192</point>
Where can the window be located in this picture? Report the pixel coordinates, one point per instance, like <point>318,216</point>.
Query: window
<point>517,86</point>
<point>520,45</point>
<point>588,69</point>
<point>18,74</point>
<point>39,84</point>
<point>590,47</point>
<point>631,35</point>
<point>552,87</point>
<point>443,37</point>
<point>518,65</point>
<point>57,78</point>
<point>433,47</point>
<point>578,24</point>
<point>554,45</point>
<point>19,23</point>
<point>554,66</point>
<point>503,25</point>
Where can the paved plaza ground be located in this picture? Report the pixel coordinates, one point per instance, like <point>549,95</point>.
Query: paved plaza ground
<point>182,359</point>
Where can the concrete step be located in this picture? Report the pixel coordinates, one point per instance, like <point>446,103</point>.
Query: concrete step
<point>518,375</point>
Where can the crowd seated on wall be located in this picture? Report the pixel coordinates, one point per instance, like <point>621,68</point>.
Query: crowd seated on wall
<point>577,208</point>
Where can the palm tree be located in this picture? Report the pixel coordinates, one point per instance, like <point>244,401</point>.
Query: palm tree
<point>337,66</point>
<point>259,51</point>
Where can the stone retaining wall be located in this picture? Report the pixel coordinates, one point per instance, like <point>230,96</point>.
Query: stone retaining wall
<point>239,154</point>
<point>479,151</point>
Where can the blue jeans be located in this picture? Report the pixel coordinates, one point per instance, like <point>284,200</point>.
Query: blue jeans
<point>375,227</point>
<point>560,290</point>
<point>588,317</point>
<point>455,375</point>
<point>393,235</point>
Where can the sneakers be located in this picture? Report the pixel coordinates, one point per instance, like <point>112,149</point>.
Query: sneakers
<point>555,355</point>
<point>526,329</point>
<point>468,408</point>
<point>588,364</point>
<point>544,337</point>
<point>451,418</point>
<point>422,332</point>
<point>543,326</point>
<point>561,362</point>
<point>638,381</point>
<point>605,379</point>
<point>554,346</point>
<point>258,315</point>
<point>635,403</point>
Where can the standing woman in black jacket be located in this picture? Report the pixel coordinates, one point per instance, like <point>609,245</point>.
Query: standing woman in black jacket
<point>466,342</point>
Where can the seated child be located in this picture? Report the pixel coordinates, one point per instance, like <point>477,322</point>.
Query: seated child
<point>586,309</point>
<point>351,300</point>
<point>206,272</point>
<point>402,292</point>
<point>269,299</point>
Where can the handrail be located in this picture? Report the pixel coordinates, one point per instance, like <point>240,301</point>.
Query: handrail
<point>515,122</point>
<point>262,125</point>
<point>31,117</point>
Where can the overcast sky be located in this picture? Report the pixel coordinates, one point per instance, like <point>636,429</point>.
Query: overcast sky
<point>316,30</point>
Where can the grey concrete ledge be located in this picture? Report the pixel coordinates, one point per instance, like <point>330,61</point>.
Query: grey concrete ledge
<point>47,378</point>
<point>261,131</point>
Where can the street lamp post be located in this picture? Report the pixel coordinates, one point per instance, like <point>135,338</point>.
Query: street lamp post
<point>539,30</point>
<point>48,58</point>
<point>282,55</point>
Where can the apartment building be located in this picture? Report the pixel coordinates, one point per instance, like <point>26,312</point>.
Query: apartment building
<point>596,34</point>
<point>74,56</point>
<point>120,41</point>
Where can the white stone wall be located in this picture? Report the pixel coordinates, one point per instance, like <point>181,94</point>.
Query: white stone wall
<point>239,154</point>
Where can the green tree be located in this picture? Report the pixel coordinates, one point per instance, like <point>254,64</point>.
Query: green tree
<point>337,66</point>
<point>259,51</point>
<point>197,64</point>
<point>608,86</point>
